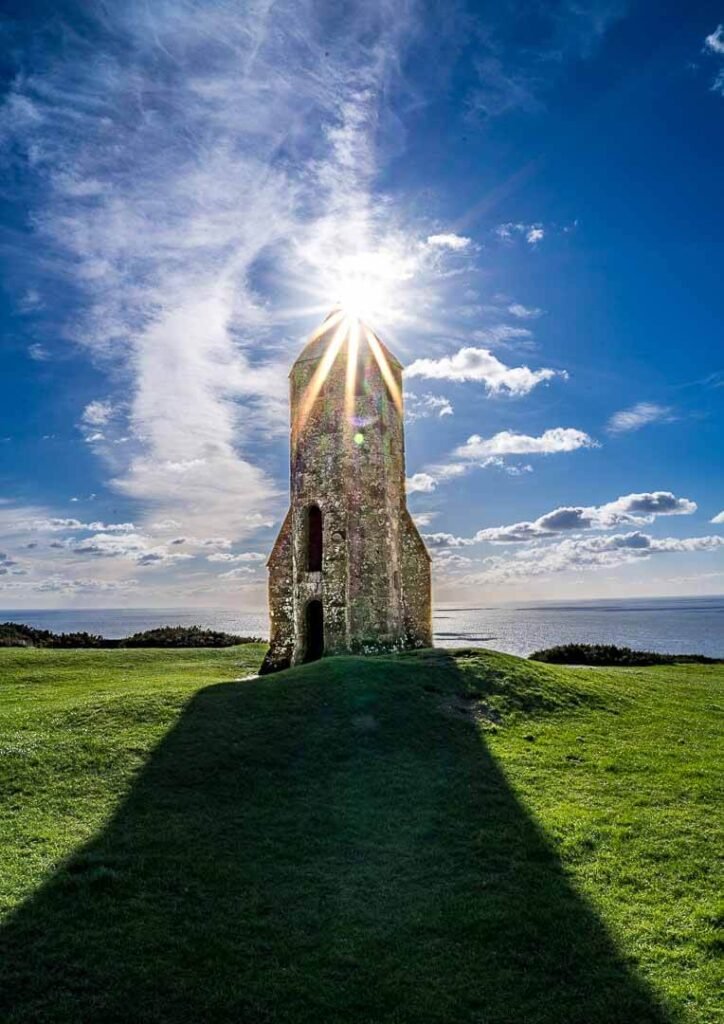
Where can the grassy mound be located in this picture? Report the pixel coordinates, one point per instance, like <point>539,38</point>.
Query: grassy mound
<point>609,654</point>
<point>434,837</point>
<point>14,634</point>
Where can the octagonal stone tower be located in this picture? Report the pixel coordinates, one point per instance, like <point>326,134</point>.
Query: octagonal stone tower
<point>349,572</point>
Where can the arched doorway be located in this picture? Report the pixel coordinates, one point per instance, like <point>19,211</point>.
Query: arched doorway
<point>314,631</point>
<point>314,539</point>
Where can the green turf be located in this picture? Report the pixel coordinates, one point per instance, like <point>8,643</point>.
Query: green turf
<point>435,837</point>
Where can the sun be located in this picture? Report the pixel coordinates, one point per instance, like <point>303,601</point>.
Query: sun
<point>360,297</point>
<point>368,285</point>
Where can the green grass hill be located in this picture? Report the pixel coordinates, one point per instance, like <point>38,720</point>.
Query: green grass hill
<point>429,838</point>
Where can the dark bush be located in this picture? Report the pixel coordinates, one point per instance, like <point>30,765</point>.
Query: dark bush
<point>13,634</point>
<point>185,636</point>
<point>609,654</point>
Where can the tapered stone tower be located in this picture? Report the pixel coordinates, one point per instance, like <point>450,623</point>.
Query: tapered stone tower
<point>349,572</point>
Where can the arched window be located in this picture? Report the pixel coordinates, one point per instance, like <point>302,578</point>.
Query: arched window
<point>314,539</point>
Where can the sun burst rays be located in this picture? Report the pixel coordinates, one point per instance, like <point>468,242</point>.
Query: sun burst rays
<point>385,369</point>
<point>348,329</point>
<point>322,372</point>
<point>350,384</point>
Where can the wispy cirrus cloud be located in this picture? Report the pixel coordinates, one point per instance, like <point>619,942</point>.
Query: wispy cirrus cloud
<point>639,415</point>
<point>532,233</point>
<point>240,573</point>
<point>419,407</point>
<point>56,524</point>
<point>243,556</point>
<point>517,309</point>
<point>514,77</point>
<point>9,565</point>
<point>70,586</point>
<point>176,167</point>
<point>714,44</point>
<point>39,353</point>
<point>503,334</point>
<point>97,413</point>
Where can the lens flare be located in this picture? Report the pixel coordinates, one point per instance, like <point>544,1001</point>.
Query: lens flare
<point>348,328</point>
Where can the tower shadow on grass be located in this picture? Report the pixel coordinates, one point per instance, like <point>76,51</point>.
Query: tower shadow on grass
<point>325,845</point>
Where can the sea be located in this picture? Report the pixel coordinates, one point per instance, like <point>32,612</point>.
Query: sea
<point>676,625</point>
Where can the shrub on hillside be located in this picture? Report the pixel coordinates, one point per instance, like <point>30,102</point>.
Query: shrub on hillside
<point>185,636</point>
<point>14,634</point>
<point>609,654</point>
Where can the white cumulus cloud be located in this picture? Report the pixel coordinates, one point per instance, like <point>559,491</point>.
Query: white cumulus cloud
<point>479,364</point>
<point>421,482</point>
<point>508,442</point>
<point>449,241</point>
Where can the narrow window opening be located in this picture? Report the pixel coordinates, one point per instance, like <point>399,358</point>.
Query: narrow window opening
<point>314,640</point>
<point>314,539</point>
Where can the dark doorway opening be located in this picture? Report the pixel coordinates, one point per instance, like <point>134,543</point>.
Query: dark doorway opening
<point>314,539</point>
<point>314,639</point>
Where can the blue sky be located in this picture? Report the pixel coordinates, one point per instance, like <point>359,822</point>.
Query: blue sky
<point>525,199</point>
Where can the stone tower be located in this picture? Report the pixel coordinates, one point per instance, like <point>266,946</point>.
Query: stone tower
<point>349,572</point>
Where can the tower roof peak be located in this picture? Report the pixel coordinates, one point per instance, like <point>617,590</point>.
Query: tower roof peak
<point>339,320</point>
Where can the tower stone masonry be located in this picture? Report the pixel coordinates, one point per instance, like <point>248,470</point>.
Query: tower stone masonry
<point>349,572</point>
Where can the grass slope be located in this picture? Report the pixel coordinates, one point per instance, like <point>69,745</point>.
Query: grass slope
<point>434,837</point>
